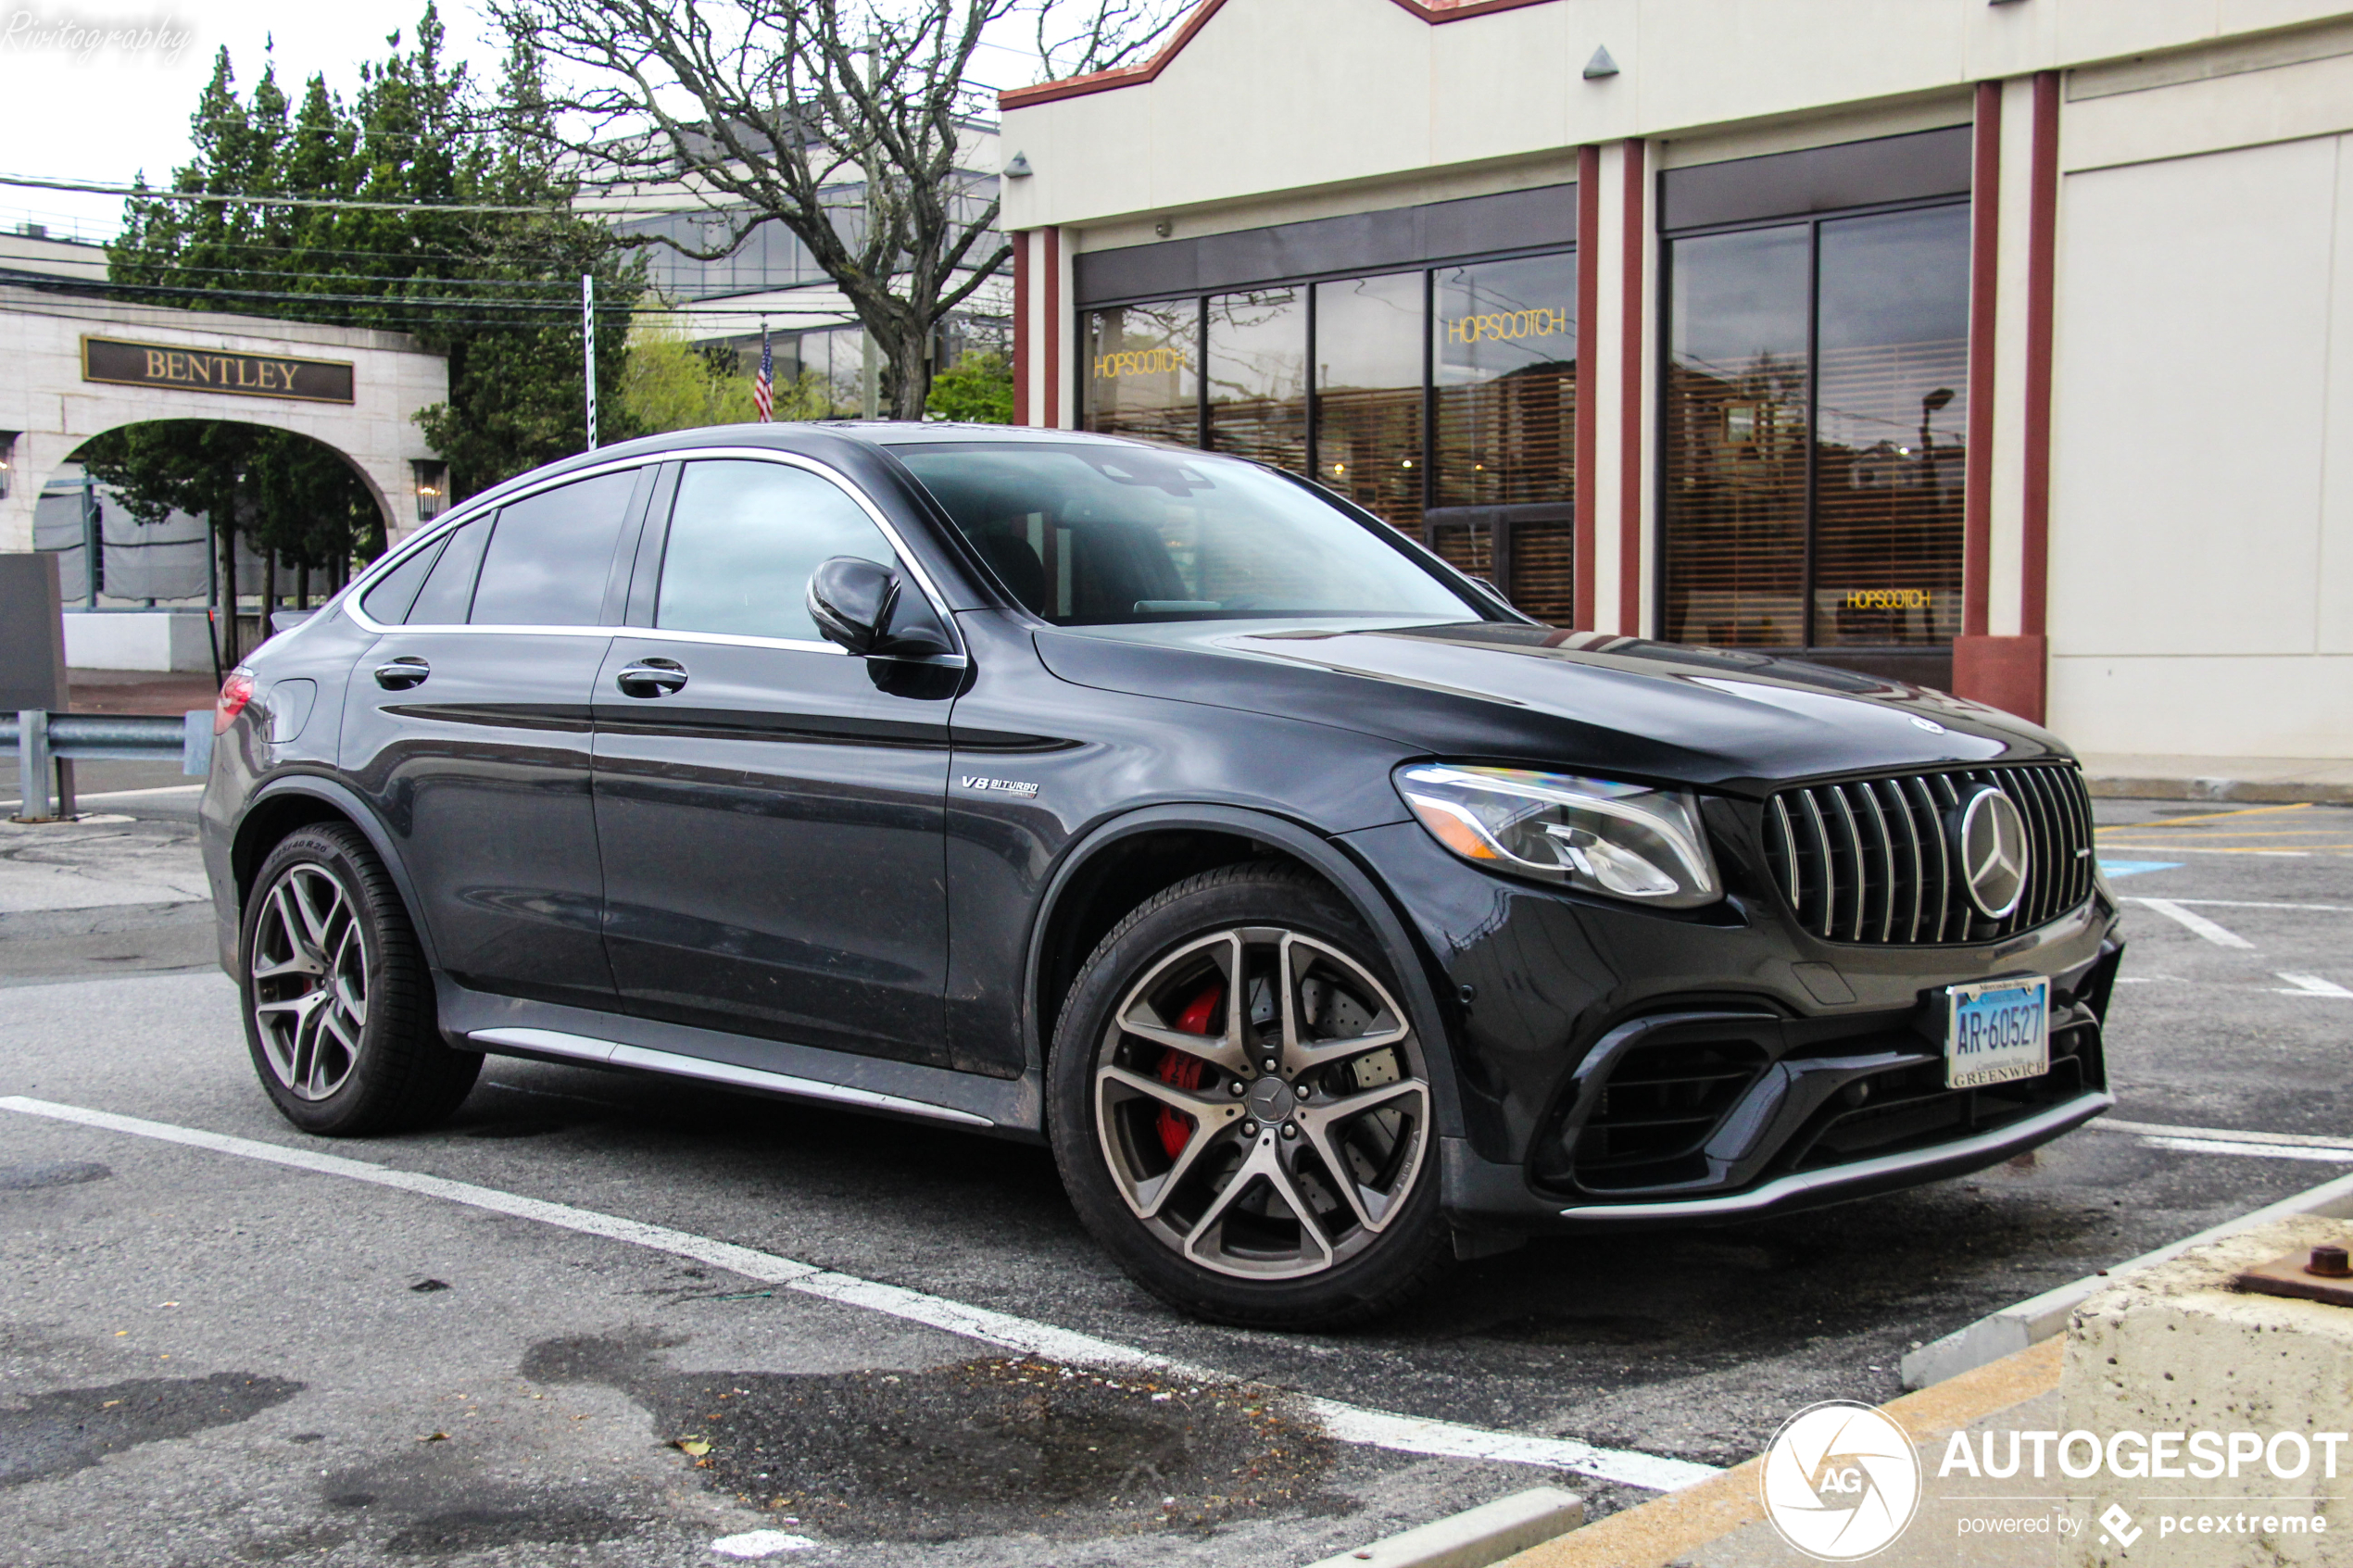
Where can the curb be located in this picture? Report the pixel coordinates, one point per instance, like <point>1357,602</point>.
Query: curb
<point>2041,1318</point>
<point>1476,1536</point>
<point>1657,1533</point>
<point>2254,792</point>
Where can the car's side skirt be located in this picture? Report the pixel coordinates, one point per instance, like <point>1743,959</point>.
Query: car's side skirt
<point>547,1031</point>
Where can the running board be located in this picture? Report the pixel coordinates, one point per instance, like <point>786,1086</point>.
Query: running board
<point>612,1053</point>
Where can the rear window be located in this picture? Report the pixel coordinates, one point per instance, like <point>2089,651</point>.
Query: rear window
<point>388,601</point>
<point>550,555</point>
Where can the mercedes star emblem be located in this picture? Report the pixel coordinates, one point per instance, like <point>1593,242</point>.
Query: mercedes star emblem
<point>1991,846</point>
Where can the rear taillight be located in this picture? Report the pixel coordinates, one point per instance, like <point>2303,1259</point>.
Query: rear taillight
<point>235,692</point>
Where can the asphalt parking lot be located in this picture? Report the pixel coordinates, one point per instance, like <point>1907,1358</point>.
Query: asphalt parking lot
<point>547,1333</point>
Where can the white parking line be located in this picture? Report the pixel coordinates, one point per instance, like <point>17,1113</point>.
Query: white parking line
<point>2217,1134</point>
<point>2196,923</point>
<point>1350,1423</point>
<point>2312,986</point>
<point>2252,1150</point>
<point>2260,904</point>
<point>126,794</point>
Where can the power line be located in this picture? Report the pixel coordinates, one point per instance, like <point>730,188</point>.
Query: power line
<point>100,188</point>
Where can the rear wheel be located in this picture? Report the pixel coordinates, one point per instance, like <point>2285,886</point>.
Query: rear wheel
<point>1243,1107</point>
<point>338,1003</point>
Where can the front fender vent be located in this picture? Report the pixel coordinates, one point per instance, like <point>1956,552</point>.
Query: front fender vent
<point>1872,862</point>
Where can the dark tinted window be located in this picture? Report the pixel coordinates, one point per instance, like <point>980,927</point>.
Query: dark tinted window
<point>1101,535</point>
<point>744,539</point>
<point>452,586</point>
<point>551,554</point>
<point>387,603</point>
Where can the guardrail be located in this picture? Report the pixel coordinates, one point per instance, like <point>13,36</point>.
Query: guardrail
<point>41,738</point>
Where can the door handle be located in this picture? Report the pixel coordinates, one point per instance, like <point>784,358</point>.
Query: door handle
<point>402,673</point>
<point>650,677</point>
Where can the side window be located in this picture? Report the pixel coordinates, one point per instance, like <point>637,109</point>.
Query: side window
<point>744,539</point>
<point>451,585</point>
<point>551,554</point>
<point>387,603</point>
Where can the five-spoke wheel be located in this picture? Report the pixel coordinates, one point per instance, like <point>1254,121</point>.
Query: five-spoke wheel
<point>338,1003</point>
<point>1257,1100</point>
<point>309,966</point>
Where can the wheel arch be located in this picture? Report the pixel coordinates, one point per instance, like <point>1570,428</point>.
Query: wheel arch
<point>1075,905</point>
<point>301,800</point>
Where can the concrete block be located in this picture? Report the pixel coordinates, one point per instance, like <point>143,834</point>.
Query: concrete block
<point>1476,1536</point>
<point>158,639</point>
<point>2260,1391</point>
<point>2042,1317</point>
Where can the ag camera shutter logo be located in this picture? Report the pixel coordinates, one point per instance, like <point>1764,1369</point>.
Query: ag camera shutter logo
<point>1841,1481</point>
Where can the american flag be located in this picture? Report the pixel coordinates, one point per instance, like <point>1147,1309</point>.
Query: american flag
<point>763,385</point>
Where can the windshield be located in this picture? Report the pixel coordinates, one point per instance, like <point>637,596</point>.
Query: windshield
<point>1093,535</point>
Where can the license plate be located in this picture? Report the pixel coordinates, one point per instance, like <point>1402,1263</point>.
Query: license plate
<point>1996,1031</point>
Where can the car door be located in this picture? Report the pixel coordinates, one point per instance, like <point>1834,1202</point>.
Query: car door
<point>770,807</point>
<point>468,729</point>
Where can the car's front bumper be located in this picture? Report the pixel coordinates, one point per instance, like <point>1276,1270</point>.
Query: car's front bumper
<point>1812,1072</point>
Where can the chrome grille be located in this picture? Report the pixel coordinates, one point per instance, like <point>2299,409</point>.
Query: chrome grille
<point>1872,861</point>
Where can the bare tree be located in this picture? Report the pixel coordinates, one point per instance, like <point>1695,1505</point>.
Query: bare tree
<point>851,122</point>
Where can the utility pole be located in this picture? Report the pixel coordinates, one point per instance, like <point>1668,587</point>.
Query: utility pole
<point>588,346</point>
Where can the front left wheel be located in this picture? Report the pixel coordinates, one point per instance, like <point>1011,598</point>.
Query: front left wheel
<point>338,1002</point>
<point>1243,1108</point>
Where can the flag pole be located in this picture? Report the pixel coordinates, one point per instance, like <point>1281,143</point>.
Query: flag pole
<point>588,347</point>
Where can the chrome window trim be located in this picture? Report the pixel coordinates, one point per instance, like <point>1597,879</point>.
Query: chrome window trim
<point>458,517</point>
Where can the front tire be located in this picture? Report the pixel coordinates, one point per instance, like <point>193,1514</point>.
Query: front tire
<point>338,999</point>
<point>1271,1164</point>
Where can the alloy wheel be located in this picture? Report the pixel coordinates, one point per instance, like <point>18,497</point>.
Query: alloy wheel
<point>309,973</point>
<point>1262,1103</point>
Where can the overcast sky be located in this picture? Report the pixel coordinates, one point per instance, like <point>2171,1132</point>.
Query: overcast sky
<point>80,107</point>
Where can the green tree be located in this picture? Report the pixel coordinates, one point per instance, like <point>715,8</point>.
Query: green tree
<point>496,292</point>
<point>977,389</point>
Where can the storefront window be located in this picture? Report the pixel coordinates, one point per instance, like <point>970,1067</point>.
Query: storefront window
<point>1891,367</point>
<point>1368,393</point>
<point>1142,365</point>
<point>1505,352</point>
<point>1257,360</point>
<point>1816,397</point>
<point>1737,397</point>
<point>1484,351</point>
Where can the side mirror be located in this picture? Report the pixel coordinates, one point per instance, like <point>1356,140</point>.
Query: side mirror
<point>858,604</point>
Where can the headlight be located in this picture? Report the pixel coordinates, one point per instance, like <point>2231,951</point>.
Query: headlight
<point>1625,840</point>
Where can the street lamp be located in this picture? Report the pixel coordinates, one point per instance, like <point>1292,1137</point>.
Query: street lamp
<point>432,486</point>
<point>7,459</point>
<point>1933,403</point>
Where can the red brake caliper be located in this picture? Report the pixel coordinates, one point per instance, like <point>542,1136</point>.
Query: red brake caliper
<point>1184,1070</point>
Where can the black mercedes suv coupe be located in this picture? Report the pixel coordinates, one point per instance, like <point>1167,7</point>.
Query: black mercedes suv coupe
<point>1328,918</point>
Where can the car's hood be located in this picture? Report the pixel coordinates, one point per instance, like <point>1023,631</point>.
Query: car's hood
<point>1653,712</point>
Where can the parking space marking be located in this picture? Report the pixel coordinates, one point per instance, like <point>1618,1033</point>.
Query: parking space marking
<point>2265,904</point>
<point>2252,1150</point>
<point>2312,986</point>
<point>2197,923</point>
<point>1347,1423</point>
<point>2224,1134</point>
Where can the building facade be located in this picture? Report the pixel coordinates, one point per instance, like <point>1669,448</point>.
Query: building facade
<point>1983,344</point>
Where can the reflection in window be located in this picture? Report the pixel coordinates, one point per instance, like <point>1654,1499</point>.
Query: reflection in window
<point>1734,491</point>
<point>550,554</point>
<point>1878,413</point>
<point>1257,360</point>
<point>745,538</point>
<point>1506,351</point>
<point>1368,393</point>
<point>1142,364</point>
<point>1891,407</point>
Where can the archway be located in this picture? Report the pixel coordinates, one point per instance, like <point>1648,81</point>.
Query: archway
<point>151,580</point>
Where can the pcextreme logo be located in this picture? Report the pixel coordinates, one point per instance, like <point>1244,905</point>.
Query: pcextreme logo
<point>1841,1481</point>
